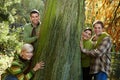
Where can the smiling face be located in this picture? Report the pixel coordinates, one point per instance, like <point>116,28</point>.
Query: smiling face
<point>34,17</point>
<point>27,51</point>
<point>98,29</point>
<point>26,54</point>
<point>87,34</point>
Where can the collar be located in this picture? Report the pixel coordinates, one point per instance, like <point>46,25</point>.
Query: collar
<point>23,60</point>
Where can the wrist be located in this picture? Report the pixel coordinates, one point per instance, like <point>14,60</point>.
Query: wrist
<point>34,69</point>
<point>84,50</point>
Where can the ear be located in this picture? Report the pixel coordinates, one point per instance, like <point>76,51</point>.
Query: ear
<point>21,53</point>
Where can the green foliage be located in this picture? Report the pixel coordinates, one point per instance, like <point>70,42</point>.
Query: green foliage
<point>5,8</point>
<point>3,14</point>
<point>9,41</point>
<point>115,67</point>
<point>17,11</point>
<point>27,6</point>
<point>14,11</point>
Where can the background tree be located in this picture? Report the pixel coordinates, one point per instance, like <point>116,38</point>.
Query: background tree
<point>28,5</point>
<point>58,45</point>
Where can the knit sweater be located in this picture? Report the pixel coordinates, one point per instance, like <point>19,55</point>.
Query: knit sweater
<point>85,58</point>
<point>19,69</point>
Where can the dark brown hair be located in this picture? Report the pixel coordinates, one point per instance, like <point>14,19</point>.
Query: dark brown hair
<point>98,22</point>
<point>88,29</point>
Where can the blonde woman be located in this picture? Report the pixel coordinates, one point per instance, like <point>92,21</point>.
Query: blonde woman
<point>20,66</point>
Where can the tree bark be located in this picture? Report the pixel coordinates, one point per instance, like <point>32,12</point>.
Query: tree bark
<point>58,45</point>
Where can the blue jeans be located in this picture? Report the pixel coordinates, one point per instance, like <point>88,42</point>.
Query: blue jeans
<point>11,77</point>
<point>101,76</point>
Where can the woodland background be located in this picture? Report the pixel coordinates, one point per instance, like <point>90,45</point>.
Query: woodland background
<point>15,13</point>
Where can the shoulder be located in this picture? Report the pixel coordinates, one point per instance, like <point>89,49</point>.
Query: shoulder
<point>27,25</point>
<point>104,37</point>
<point>107,42</point>
<point>107,39</point>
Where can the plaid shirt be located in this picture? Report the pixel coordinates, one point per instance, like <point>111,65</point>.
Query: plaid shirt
<point>101,56</point>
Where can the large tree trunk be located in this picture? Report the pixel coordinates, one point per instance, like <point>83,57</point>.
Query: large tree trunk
<point>58,45</point>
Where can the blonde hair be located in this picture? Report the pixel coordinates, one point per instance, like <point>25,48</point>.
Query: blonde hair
<point>28,47</point>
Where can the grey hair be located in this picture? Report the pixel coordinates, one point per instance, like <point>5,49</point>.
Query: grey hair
<point>28,47</point>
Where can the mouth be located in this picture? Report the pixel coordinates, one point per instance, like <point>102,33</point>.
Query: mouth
<point>28,58</point>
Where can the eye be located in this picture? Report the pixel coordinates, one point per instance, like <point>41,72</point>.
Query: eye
<point>89,34</point>
<point>30,52</point>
